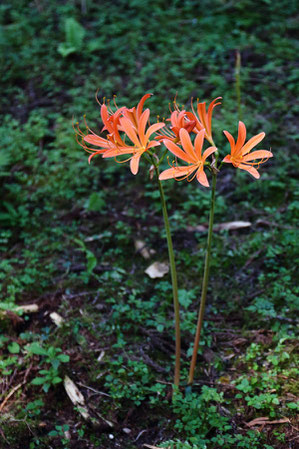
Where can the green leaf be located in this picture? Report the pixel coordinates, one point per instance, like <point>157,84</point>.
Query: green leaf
<point>91,261</point>
<point>55,363</point>
<point>74,33</point>
<point>95,202</point>
<point>39,381</point>
<point>64,49</point>
<point>56,380</point>
<point>64,358</point>
<point>96,44</point>
<point>53,433</point>
<point>36,349</point>
<point>293,405</point>
<point>14,348</point>
<point>4,159</point>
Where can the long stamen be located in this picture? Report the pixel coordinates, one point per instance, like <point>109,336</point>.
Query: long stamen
<point>122,162</point>
<point>190,180</point>
<point>96,96</point>
<point>237,162</point>
<point>87,127</point>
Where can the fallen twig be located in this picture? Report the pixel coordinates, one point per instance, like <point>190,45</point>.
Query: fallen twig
<point>2,405</point>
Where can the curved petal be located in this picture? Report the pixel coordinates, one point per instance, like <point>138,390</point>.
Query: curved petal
<point>153,128</point>
<point>119,152</point>
<point>208,152</point>
<point>198,143</point>
<point>141,126</point>
<point>177,151</point>
<point>259,154</point>
<point>187,144</point>
<point>227,159</point>
<point>129,130</point>
<point>201,110</point>
<point>241,136</point>
<point>152,144</point>
<point>97,141</point>
<point>210,112</point>
<point>174,118</point>
<point>176,172</point>
<point>253,171</point>
<point>105,118</point>
<point>134,164</point>
<point>141,103</point>
<point>202,178</point>
<point>94,154</point>
<point>252,143</point>
<point>231,141</point>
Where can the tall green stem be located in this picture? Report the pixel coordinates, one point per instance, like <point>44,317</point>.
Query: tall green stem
<point>173,279</point>
<point>238,83</point>
<point>204,284</point>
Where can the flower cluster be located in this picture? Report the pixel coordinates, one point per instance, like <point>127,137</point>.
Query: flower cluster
<point>129,132</point>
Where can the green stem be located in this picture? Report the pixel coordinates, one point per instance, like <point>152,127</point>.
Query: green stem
<point>238,83</point>
<point>173,279</point>
<point>204,284</point>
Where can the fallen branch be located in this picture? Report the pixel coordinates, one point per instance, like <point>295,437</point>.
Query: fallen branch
<point>11,393</point>
<point>264,421</point>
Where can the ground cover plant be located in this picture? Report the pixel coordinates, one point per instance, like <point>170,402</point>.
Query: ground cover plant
<point>76,305</point>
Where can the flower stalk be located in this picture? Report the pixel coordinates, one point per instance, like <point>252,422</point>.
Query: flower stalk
<point>173,279</point>
<point>204,282</point>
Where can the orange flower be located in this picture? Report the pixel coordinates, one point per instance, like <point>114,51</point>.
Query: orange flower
<point>240,150</point>
<point>135,113</point>
<point>191,154</point>
<point>204,118</point>
<point>93,139</point>
<point>178,120</point>
<point>138,136</point>
<point>131,122</point>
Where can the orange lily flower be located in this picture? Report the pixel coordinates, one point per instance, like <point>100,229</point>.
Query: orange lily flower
<point>93,139</point>
<point>138,136</point>
<point>191,154</point>
<point>240,150</point>
<point>178,120</point>
<point>204,118</point>
<point>134,114</point>
<point>130,121</point>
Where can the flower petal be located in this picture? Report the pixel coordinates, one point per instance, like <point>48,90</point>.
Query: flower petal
<point>231,141</point>
<point>94,154</point>
<point>141,103</point>
<point>152,144</point>
<point>187,144</point>
<point>153,128</point>
<point>208,152</point>
<point>119,152</point>
<point>202,178</point>
<point>252,143</point>
<point>176,172</point>
<point>253,171</point>
<point>259,154</point>
<point>134,164</point>
<point>105,119</point>
<point>227,159</point>
<point>97,140</point>
<point>141,126</point>
<point>177,151</point>
<point>210,112</point>
<point>129,130</point>
<point>198,143</point>
<point>241,136</point>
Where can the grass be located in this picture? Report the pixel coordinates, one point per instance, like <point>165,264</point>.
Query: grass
<point>67,230</point>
